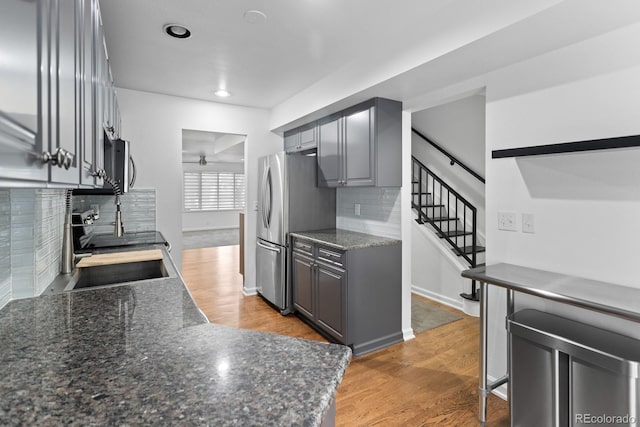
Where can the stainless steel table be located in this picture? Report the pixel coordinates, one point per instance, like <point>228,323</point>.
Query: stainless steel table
<point>608,298</point>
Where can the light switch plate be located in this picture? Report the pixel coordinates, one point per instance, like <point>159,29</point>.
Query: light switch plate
<point>528,223</point>
<point>357,209</point>
<point>255,205</point>
<point>507,221</point>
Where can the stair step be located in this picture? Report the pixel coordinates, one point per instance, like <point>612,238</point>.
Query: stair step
<point>468,250</point>
<point>471,297</point>
<point>432,206</point>
<point>441,219</point>
<point>415,193</point>
<point>454,233</point>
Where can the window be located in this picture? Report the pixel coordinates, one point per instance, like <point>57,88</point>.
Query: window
<point>213,191</point>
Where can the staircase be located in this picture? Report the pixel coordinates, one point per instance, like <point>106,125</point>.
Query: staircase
<point>451,216</point>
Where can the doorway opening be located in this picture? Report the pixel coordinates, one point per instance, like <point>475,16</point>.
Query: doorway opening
<point>213,188</point>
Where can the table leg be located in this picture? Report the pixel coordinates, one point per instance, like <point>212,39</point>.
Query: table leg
<point>482,388</point>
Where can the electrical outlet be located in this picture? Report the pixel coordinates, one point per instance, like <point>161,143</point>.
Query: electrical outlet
<point>527,223</point>
<point>255,205</point>
<point>507,221</point>
<point>357,209</point>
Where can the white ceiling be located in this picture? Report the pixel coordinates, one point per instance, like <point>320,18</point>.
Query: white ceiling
<point>216,147</point>
<point>313,57</point>
<point>300,42</point>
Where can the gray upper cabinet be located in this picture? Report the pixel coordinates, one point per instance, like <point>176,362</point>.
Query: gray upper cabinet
<point>301,139</point>
<point>52,93</point>
<point>65,68</point>
<point>329,151</point>
<point>21,145</point>
<point>88,67</point>
<point>362,146</point>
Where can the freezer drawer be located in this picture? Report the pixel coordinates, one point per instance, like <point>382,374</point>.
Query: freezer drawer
<point>566,373</point>
<point>270,273</point>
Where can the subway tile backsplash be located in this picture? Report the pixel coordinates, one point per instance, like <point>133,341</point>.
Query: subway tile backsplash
<point>31,223</point>
<point>379,210</point>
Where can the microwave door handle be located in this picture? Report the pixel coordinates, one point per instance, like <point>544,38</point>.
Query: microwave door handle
<point>133,172</point>
<point>270,248</point>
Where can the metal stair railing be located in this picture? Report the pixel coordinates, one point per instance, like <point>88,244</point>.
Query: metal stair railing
<point>436,202</point>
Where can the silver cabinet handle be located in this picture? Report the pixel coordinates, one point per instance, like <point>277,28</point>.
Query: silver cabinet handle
<point>61,158</point>
<point>262,245</point>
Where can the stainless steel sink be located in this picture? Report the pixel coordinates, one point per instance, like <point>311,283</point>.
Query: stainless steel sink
<point>102,275</point>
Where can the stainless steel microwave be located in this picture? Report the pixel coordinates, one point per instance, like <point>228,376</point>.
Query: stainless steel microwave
<point>118,163</point>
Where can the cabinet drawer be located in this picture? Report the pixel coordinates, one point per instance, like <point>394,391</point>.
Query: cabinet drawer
<point>302,246</point>
<point>331,256</point>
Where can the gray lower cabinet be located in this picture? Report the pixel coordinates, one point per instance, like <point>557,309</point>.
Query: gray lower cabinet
<point>331,296</point>
<point>361,146</point>
<point>351,296</point>
<point>303,279</point>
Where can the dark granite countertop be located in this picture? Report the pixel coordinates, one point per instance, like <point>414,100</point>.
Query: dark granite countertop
<point>345,239</point>
<point>143,354</point>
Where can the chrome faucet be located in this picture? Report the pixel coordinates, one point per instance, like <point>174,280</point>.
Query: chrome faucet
<point>118,228</point>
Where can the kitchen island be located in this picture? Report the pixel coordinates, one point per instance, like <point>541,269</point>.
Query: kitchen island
<point>143,354</point>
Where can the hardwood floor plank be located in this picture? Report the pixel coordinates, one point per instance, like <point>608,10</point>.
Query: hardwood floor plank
<point>431,380</point>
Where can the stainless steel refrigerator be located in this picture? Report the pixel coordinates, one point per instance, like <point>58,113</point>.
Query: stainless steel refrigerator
<point>288,200</point>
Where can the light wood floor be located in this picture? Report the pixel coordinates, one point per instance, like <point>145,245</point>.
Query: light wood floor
<point>428,381</point>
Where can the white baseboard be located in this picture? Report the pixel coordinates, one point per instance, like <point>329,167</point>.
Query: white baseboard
<point>248,292</point>
<point>501,391</point>
<point>442,299</point>
<point>407,334</point>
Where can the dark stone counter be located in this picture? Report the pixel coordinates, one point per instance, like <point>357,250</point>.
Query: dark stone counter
<point>143,354</point>
<point>345,239</point>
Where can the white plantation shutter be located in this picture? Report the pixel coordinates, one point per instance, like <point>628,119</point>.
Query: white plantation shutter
<point>226,191</point>
<point>239,191</point>
<point>213,191</point>
<point>191,191</point>
<point>209,192</point>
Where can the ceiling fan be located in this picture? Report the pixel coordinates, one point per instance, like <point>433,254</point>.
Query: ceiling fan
<point>201,162</point>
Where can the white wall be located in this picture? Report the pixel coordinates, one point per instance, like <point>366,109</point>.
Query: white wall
<point>154,124</point>
<point>435,272</point>
<point>212,220</point>
<point>586,205</point>
<point>458,127</point>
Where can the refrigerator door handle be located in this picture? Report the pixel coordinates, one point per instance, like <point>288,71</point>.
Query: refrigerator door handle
<point>269,197</point>
<point>264,192</point>
<point>270,248</point>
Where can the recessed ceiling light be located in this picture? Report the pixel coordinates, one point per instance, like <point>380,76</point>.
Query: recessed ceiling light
<point>254,16</point>
<point>222,93</point>
<point>177,31</point>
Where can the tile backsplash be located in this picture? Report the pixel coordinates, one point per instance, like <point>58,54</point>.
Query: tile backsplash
<point>5,245</point>
<point>138,210</point>
<point>31,223</point>
<point>36,218</point>
<point>379,210</point>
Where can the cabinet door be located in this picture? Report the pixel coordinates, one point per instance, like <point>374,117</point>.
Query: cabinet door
<point>65,109</point>
<point>329,152</point>
<point>302,283</point>
<point>307,138</point>
<point>291,142</point>
<point>88,73</point>
<point>359,149</point>
<point>21,143</point>
<point>331,300</point>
